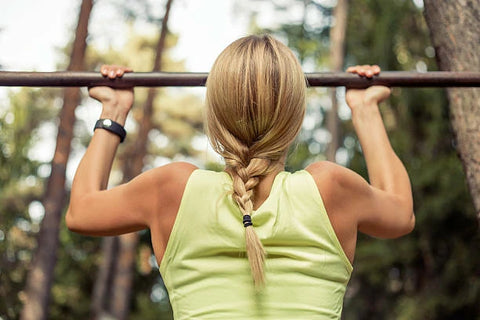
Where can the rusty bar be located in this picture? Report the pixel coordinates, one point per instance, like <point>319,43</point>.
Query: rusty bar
<point>189,79</point>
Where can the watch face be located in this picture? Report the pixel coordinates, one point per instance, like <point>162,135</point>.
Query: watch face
<point>107,122</point>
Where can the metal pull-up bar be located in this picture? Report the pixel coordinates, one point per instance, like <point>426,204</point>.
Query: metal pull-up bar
<point>188,79</point>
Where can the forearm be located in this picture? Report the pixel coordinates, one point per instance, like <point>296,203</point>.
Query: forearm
<point>385,170</point>
<point>94,169</point>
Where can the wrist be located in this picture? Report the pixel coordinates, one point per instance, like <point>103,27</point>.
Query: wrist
<point>366,114</point>
<point>114,114</point>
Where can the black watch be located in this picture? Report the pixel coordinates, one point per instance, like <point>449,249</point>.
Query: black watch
<point>111,126</point>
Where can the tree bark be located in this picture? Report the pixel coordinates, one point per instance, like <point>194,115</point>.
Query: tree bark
<point>101,289</point>
<point>123,268</point>
<point>337,54</point>
<point>454,28</point>
<point>40,276</point>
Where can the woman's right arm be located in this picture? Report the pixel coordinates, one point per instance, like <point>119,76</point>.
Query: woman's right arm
<point>382,207</point>
<point>386,204</point>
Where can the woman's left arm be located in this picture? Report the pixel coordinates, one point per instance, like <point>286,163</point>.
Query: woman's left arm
<point>94,169</point>
<point>94,210</point>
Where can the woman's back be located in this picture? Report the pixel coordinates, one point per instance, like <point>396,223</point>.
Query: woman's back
<point>205,268</point>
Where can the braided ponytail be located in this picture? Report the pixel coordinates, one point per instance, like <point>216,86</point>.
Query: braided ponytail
<point>255,105</point>
<point>245,179</point>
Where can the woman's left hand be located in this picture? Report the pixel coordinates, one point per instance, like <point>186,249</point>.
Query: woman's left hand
<point>116,103</point>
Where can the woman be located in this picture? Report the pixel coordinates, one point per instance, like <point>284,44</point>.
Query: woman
<point>300,228</point>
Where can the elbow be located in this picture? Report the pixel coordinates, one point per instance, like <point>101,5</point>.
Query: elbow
<point>76,216</point>
<point>409,225</point>
<point>406,225</point>
<point>71,219</point>
<point>406,222</point>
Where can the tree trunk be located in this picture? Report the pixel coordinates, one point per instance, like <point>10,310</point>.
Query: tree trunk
<point>123,268</point>
<point>454,28</point>
<point>103,284</point>
<point>337,53</point>
<point>40,276</point>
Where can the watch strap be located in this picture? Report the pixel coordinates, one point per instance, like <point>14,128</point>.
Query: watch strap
<point>111,126</point>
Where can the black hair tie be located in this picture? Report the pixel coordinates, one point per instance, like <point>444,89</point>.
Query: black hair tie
<point>247,220</point>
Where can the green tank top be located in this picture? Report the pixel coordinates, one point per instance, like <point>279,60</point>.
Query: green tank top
<point>205,268</point>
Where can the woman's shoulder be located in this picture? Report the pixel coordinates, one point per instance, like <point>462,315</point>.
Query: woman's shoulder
<point>167,184</point>
<point>175,170</point>
<point>170,178</point>
<point>326,171</point>
<point>337,183</point>
<point>334,175</point>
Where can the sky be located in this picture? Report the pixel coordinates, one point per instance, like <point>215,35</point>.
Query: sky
<point>31,31</point>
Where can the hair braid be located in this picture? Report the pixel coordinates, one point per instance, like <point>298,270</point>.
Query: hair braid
<point>245,179</point>
<point>255,104</point>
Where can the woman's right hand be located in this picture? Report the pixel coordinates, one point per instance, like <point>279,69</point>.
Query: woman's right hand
<point>116,103</point>
<point>366,97</point>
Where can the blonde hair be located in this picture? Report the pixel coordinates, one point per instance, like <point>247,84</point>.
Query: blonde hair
<point>255,104</point>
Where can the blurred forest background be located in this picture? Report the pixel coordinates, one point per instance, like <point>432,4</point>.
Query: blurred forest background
<point>433,273</point>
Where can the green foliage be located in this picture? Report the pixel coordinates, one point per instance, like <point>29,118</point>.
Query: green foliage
<point>74,275</point>
<point>21,186</point>
<point>307,37</point>
<point>433,272</point>
<point>18,122</point>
